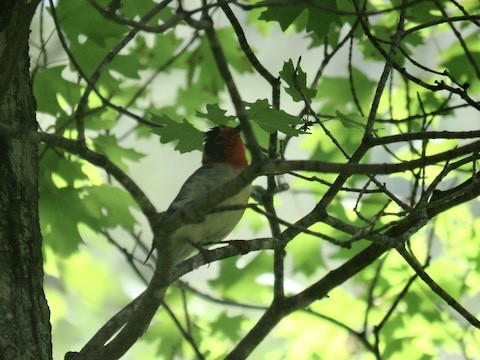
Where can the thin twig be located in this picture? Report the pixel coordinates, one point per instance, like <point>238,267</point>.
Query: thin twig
<point>417,267</point>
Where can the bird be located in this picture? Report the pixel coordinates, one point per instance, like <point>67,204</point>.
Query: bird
<point>223,159</point>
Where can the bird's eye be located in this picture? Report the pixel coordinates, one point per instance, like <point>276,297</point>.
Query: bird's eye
<point>219,140</point>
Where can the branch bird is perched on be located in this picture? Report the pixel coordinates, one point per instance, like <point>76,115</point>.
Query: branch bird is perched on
<point>223,159</point>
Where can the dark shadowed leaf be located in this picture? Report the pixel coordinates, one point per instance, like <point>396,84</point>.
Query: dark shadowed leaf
<point>296,80</point>
<point>271,119</point>
<point>186,136</point>
<point>216,115</point>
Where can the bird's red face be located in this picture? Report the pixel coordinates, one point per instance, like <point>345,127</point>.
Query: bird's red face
<point>223,144</point>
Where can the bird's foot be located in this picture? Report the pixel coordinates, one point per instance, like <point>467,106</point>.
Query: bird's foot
<point>204,251</point>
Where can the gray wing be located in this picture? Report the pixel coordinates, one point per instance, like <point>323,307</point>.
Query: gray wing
<point>202,180</point>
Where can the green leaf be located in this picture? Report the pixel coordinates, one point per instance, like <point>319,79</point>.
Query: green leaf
<point>157,55</point>
<point>229,326</point>
<point>462,71</point>
<point>69,170</point>
<point>296,80</point>
<point>246,277</point>
<point>80,18</point>
<point>203,69</point>
<point>108,145</point>
<point>336,93</point>
<point>188,138</point>
<point>271,119</point>
<point>192,98</point>
<point>279,12</point>
<point>343,253</point>
<point>127,65</point>
<point>103,119</point>
<point>89,55</point>
<point>422,11</point>
<point>61,210</point>
<point>166,334</point>
<point>320,21</point>
<point>216,115</point>
<point>232,50</point>
<point>320,15</point>
<point>371,205</point>
<point>132,9</point>
<point>48,85</point>
<point>307,254</point>
<point>111,205</point>
<point>352,120</point>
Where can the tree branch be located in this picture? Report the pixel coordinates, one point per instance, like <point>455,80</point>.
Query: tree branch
<point>417,267</point>
<point>222,65</point>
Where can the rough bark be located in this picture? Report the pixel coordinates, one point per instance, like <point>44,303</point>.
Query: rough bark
<point>24,314</point>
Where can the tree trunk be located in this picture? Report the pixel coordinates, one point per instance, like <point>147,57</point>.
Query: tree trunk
<point>24,315</point>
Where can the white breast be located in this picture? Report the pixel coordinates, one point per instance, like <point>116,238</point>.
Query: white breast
<point>216,226</point>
